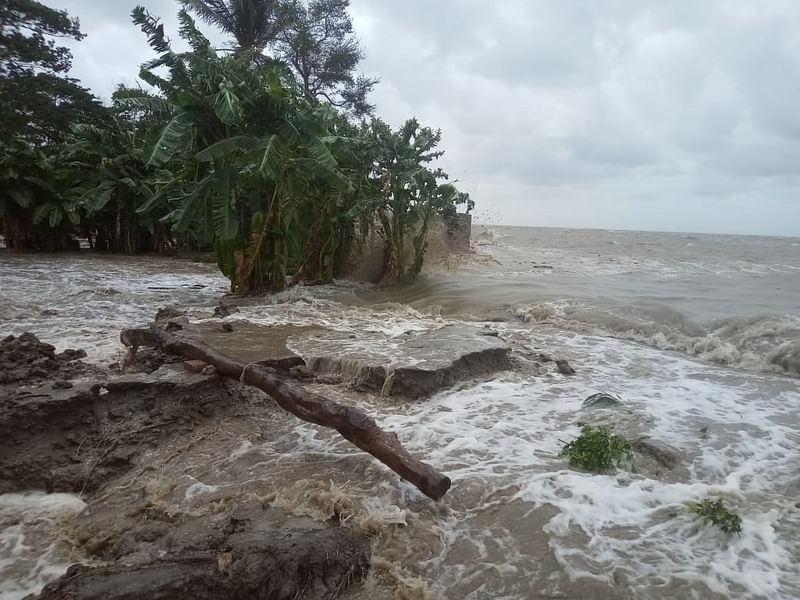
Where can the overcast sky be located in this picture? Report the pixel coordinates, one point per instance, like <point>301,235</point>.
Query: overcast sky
<point>618,114</point>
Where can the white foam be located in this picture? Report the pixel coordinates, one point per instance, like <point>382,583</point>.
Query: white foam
<point>499,442</point>
<point>391,319</point>
<point>88,299</point>
<point>506,435</point>
<point>30,526</point>
<point>769,343</point>
<point>198,489</point>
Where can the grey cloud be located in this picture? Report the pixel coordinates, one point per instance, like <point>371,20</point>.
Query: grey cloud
<point>614,113</point>
<point>114,47</point>
<point>647,114</point>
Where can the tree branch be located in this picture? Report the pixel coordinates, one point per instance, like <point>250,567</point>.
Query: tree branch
<point>353,424</point>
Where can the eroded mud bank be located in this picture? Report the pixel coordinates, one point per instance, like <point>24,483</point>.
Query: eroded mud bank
<point>109,438</point>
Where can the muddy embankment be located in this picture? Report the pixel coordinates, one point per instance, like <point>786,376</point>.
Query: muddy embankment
<point>119,440</point>
<point>96,438</point>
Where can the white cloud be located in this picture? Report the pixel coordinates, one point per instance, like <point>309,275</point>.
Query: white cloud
<point>676,115</point>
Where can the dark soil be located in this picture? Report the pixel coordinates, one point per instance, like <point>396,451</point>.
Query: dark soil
<point>148,360</point>
<point>312,564</point>
<point>93,437</point>
<point>73,440</point>
<point>25,359</point>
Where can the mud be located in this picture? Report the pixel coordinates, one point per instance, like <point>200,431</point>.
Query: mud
<point>160,524</point>
<point>25,359</point>
<point>145,360</point>
<point>228,558</point>
<point>76,439</point>
<point>101,439</point>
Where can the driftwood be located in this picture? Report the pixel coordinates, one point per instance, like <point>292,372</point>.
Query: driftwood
<point>352,423</point>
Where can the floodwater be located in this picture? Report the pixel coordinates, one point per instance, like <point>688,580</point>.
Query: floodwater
<point>699,336</point>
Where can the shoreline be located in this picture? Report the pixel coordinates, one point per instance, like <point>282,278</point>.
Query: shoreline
<point>145,399</point>
<point>497,436</point>
<point>190,494</point>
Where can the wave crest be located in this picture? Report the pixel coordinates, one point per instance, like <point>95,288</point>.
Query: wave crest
<point>767,343</point>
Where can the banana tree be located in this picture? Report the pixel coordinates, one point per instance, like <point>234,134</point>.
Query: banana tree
<point>332,208</point>
<point>276,183</point>
<point>434,199</point>
<point>243,147</point>
<point>408,186</point>
<point>36,211</point>
<point>116,182</point>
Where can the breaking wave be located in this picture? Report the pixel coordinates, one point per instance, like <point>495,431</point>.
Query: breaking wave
<point>766,343</point>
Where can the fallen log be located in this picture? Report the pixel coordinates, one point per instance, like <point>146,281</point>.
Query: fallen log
<point>352,423</point>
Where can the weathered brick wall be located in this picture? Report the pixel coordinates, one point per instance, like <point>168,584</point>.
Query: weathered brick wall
<point>445,235</point>
<point>459,232</point>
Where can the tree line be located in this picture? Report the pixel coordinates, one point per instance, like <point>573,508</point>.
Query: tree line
<point>266,151</point>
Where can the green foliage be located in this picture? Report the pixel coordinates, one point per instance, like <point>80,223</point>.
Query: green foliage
<point>27,29</point>
<point>597,449</point>
<point>37,103</point>
<point>716,513</point>
<point>259,159</point>
<point>115,190</point>
<point>41,107</point>
<point>409,192</point>
<point>254,24</point>
<point>320,48</point>
<point>36,205</point>
<point>171,140</point>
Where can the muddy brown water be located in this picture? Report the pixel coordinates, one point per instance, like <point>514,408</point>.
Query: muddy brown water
<point>518,522</point>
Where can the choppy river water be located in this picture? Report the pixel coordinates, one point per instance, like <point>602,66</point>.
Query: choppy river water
<point>699,335</point>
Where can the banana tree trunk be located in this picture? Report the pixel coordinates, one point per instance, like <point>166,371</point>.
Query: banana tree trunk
<point>394,252</point>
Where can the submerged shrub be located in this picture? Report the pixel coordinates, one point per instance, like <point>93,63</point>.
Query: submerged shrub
<point>597,449</point>
<point>716,513</point>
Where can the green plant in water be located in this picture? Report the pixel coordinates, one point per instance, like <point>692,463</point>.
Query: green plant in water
<point>597,449</point>
<point>715,512</point>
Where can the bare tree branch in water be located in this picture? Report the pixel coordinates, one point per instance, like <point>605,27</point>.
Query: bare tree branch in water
<point>352,423</point>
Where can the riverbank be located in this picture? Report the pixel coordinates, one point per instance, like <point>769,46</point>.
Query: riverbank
<point>104,441</point>
<point>518,521</point>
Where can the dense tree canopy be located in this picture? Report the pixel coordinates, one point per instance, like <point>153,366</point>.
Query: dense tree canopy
<point>320,47</point>
<point>27,29</point>
<point>266,160</point>
<point>253,24</point>
<point>313,39</point>
<point>36,101</point>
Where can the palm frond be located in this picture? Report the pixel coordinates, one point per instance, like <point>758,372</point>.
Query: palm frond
<point>226,221</point>
<point>100,197</point>
<point>41,213</point>
<point>170,140</point>
<point>190,33</point>
<point>149,78</point>
<point>22,196</point>
<point>153,198</point>
<point>153,28</point>
<point>225,147</point>
<point>318,151</point>
<point>151,104</point>
<point>272,161</point>
<point>213,12</point>
<point>187,212</point>
<point>227,105</point>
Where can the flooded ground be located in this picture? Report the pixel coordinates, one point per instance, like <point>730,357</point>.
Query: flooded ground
<point>517,523</point>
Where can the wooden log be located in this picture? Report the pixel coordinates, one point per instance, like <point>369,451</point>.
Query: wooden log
<point>353,424</point>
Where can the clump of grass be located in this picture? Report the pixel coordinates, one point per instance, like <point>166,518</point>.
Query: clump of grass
<point>597,449</point>
<point>716,513</point>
